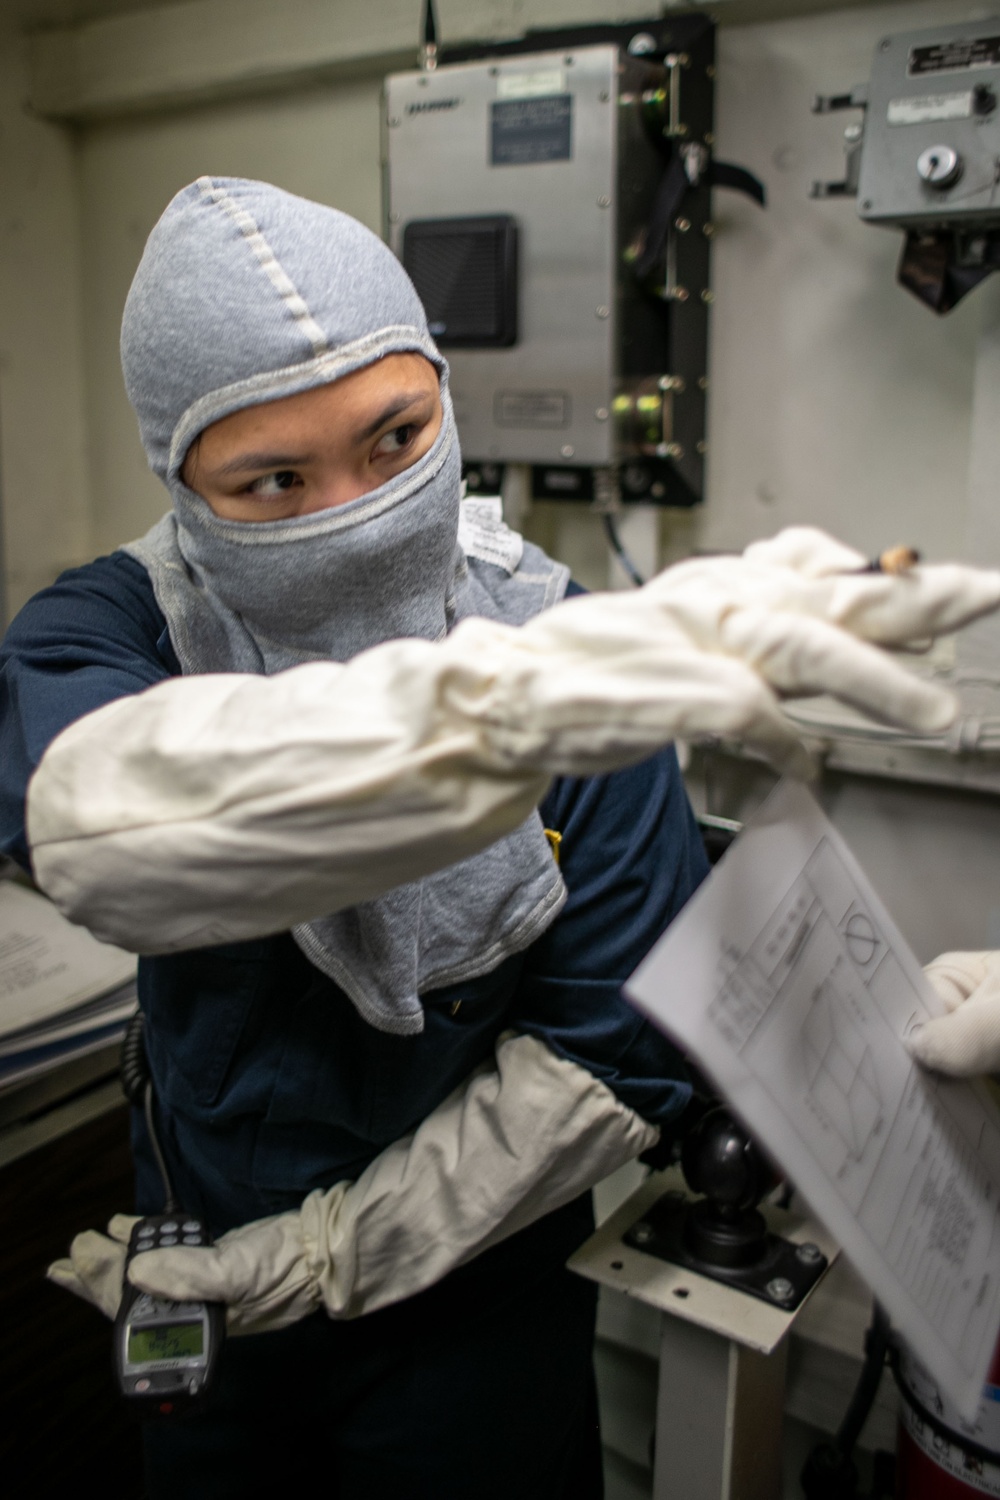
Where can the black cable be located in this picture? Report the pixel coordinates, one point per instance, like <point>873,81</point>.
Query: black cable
<point>171,1206</point>
<point>137,1086</point>
<point>829,1472</point>
<point>863,1399</point>
<point>618,548</point>
<point>133,1064</point>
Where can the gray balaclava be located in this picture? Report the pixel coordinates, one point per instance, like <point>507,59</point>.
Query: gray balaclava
<point>245,294</point>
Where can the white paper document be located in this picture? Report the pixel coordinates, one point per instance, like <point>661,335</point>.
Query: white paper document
<point>46,964</point>
<point>787,981</point>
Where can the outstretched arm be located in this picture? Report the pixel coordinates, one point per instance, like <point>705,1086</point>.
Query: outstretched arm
<point>158,819</point>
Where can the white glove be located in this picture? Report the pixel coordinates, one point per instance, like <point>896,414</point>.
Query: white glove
<point>966,1041</point>
<point>160,819</point>
<point>513,1143</point>
<point>96,1265</point>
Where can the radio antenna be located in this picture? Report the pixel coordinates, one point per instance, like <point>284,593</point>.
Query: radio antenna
<point>429,46</point>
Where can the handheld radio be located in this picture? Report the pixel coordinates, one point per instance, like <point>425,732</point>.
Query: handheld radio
<point>165,1352</point>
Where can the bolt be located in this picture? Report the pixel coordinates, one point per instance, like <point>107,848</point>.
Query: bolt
<point>780,1289</point>
<point>809,1254</point>
<point>669,450</point>
<point>703,382</point>
<point>603,312</point>
<point>642,44</point>
<point>710,71</point>
<point>643,1233</point>
<point>671,382</point>
<point>708,229</point>
<point>604,201</point>
<point>657,490</point>
<point>567,450</point>
<point>394,218</point>
<point>709,138</point>
<point>677,293</point>
<point>682,225</point>
<point>601,413</point>
<point>701,446</point>
<point>707,296</point>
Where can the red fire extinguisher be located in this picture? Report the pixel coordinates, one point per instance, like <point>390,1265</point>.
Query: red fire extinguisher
<point>939,1455</point>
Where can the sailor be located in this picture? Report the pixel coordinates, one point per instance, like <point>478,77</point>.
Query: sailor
<point>389,819</point>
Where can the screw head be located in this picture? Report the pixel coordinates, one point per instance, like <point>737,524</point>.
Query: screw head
<point>707,296</point>
<point>703,382</point>
<point>809,1254</point>
<point>394,218</point>
<point>780,1289</point>
<point>678,293</point>
<point>567,450</point>
<point>604,96</point>
<point>709,138</point>
<point>604,201</point>
<point>394,120</point>
<point>603,312</point>
<point>708,229</point>
<point>701,446</point>
<point>601,414</point>
<point>642,1233</point>
<point>682,225</point>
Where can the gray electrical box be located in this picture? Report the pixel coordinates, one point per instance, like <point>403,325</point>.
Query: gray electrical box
<point>519,192</point>
<point>925,157</point>
<point>932,128</point>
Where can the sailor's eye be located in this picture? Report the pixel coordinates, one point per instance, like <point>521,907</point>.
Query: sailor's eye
<point>274,484</point>
<point>396,440</point>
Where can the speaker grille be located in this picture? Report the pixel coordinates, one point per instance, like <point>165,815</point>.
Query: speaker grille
<point>465,273</point>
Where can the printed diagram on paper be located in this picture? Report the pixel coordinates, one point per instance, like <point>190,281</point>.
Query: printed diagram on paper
<point>788,982</point>
<point>812,966</point>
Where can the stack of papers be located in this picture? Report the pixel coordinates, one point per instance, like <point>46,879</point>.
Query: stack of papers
<point>62,993</point>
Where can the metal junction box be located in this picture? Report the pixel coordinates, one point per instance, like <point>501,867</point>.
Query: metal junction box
<point>931,154</point>
<point>519,193</point>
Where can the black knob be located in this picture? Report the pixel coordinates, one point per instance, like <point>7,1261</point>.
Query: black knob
<point>721,1161</point>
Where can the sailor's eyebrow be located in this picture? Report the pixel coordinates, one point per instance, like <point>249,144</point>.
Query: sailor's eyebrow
<point>244,461</point>
<point>395,408</point>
